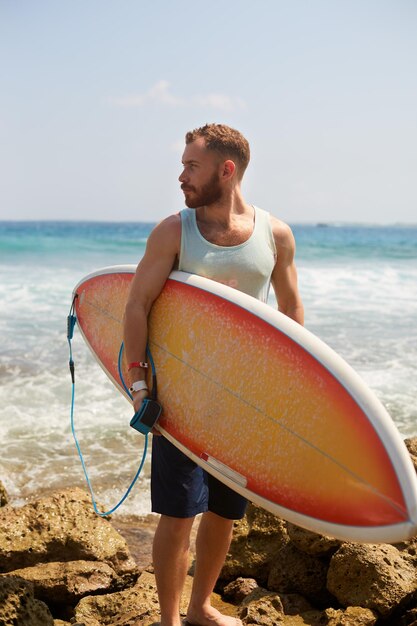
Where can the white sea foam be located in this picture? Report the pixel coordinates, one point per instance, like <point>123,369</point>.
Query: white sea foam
<point>38,450</point>
<point>369,316</point>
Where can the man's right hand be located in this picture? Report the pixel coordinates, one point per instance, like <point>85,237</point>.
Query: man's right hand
<point>138,398</point>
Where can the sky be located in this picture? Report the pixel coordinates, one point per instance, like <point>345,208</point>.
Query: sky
<point>96,97</point>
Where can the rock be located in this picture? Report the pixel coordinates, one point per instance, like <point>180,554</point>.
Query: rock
<point>257,538</point>
<point>293,571</point>
<point>66,583</point>
<point>376,577</point>
<point>408,550</point>
<point>412,449</point>
<point>61,527</point>
<point>135,606</point>
<point>352,616</point>
<point>294,603</point>
<point>18,606</point>
<point>4,498</point>
<point>312,543</point>
<point>123,607</point>
<point>409,618</point>
<point>262,607</point>
<point>237,590</point>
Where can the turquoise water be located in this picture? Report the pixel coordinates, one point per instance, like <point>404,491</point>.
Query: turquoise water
<point>359,286</point>
<point>43,240</point>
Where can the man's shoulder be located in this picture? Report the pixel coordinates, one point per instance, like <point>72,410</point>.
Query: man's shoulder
<point>170,225</point>
<point>166,234</point>
<point>282,232</point>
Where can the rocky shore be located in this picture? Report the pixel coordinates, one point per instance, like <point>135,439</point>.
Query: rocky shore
<point>61,564</point>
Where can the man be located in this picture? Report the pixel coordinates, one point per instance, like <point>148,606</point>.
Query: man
<point>221,237</point>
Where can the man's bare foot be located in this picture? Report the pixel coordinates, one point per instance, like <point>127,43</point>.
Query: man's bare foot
<point>212,617</point>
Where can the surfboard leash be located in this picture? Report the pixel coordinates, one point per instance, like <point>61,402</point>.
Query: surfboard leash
<point>71,322</point>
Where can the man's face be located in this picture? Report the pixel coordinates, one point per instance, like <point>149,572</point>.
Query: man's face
<point>200,179</point>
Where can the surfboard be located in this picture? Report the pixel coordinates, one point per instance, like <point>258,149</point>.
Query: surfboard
<point>263,405</point>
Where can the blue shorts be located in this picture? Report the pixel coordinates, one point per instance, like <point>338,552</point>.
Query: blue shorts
<point>181,488</point>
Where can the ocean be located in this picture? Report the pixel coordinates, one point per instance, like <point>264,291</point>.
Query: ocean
<point>358,284</point>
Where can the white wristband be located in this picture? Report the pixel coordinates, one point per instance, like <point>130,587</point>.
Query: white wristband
<point>139,385</point>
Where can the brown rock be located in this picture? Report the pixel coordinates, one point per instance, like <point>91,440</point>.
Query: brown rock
<point>262,607</point>
<point>135,606</point>
<point>18,606</point>
<point>412,449</point>
<point>257,538</point>
<point>60,527</point>
<point>293,571</point>
<point>312,543</point>
<point>352,616</point>
<point>371,576</point>
<point>294,603</point>
<point>4,498</point>
<point>409,618</point>
<point>408,550</point>
<point>237,590</point>
<point>122,608</point>
<point>312,618</point>
<point>66,583</point>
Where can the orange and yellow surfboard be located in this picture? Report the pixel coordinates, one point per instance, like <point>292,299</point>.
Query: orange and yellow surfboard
<point>263,405</point>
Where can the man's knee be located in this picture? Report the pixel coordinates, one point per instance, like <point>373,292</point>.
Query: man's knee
<point>176,529</point>
<point>215,519</point>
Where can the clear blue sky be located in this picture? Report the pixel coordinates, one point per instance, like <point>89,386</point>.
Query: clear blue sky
<point>96,96</point>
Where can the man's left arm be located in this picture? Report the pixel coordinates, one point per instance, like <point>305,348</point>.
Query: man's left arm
<point>284,276</point>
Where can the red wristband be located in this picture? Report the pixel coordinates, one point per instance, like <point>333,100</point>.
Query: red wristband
<point>137,364</point>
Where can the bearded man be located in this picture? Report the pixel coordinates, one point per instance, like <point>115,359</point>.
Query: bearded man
<point>223,238</point>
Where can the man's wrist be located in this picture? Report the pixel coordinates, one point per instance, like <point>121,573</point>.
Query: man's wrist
<point>138,385</point>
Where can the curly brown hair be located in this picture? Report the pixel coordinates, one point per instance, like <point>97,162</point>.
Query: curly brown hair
<point>226,141</point>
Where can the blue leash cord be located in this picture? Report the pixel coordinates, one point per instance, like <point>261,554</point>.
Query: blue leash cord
<point>70,331</point>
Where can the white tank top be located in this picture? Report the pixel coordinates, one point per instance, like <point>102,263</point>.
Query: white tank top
<point>246,267</point>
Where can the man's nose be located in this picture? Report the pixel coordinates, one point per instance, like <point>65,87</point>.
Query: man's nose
<point>182,177</point>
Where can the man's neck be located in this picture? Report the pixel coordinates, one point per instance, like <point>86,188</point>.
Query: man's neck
<point>225,211</point>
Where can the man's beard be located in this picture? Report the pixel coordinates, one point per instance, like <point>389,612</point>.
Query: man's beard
<point>209,193</point>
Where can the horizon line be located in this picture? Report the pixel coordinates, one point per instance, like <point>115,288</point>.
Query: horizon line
<point>317,223</point>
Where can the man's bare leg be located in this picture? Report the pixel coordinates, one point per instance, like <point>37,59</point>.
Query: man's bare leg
<point>212,544</point>
<point>171,561</point>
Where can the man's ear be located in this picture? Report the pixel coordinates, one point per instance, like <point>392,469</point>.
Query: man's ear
<point>229,168</point>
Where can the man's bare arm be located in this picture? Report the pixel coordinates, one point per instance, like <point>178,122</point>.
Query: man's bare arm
<point>161,253</point>
<point>284,276</point>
